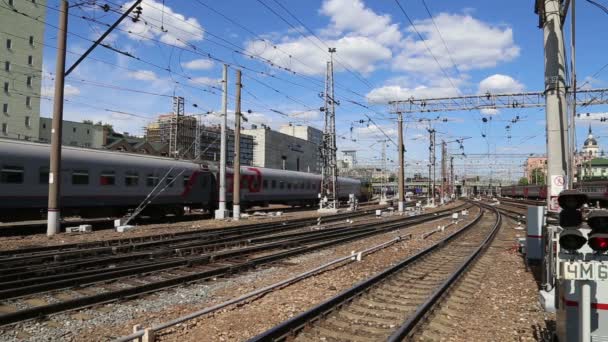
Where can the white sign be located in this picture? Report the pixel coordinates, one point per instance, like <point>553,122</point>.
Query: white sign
<point>584,270</point>
<point>557,184</point>
<point>553,204</point>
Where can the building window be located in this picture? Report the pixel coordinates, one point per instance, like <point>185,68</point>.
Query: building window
<point>30,60</point>
<point>6,87</point>
<point>74,129</point>
<point>169,181</point>
<point>5,108</point>
<point>28,81</point>
<point>28,101</point>
<point>7,66</point>
<point>80,177</point>
<point>4,128</point>
<point>11,2</point>
<point>131,179</point>
<point>9,44</point>
<point>151,180</point>
<point>88,131</point>
<point>11,174</point>
<point>32,40</point>
<point>107,178</point>
<point>44,126</point>
<point>28,122</point>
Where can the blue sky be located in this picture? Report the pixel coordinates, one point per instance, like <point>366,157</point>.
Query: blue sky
<point>491,45</point>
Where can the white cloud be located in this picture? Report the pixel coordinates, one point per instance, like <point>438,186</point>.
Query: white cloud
<point>388,93</point>
<point>206,81</point>
<point>143,75</point>
<point>198,64</point>
<point>473,44</point>
<point>353,16</point>
<point>307,115</point>
<point>355,52</point>
<point>489,111</point>
<point>68,91</point>
<point>499,83</point>
<point>376,131</point>
<point>178,29</point>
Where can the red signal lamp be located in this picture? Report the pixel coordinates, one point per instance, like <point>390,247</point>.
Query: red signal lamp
<point>599,242</point>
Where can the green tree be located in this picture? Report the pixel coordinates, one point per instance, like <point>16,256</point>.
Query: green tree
<point>523,181</point>
<point>538,176</point>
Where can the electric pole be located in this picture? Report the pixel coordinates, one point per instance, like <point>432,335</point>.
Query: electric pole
<point>549,12</point>
<point>401,163</point>
<point>54,213</point>
<point>236,194</point>
<point>444,171</point>
<point>383,174</point>
<point>221,212</point>
<point>329,182</point>
<point>432,174</point>
<point>452,183</point>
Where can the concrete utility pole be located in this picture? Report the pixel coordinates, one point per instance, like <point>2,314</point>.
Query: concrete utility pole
<point>53,213</point>
<point>444,170</point>
<point>572,117</point>
<point>236,194</point>
<point>383,166</point>
<point>433,164</point>
<point>221,212</point>
<point>401,164</point>
<point>549,12</point>
<point>329,183</point>
<point>452,183</point>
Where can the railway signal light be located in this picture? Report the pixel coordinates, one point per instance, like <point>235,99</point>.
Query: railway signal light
<point>598,238</point>
<point>571,218</point>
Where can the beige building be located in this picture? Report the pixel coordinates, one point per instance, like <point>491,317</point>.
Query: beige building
<point>82,134</point>
<point>21,68</point>
<point>533,163</point>
<point>277,150</point>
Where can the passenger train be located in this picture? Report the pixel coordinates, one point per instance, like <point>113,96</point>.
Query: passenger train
<point>99,183</point>
<point>597,191</point>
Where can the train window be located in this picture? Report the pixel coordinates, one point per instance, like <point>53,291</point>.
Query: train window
<point>131,178</point>
<point>43,176</point>
<point>186,179</point>
<point>169,181</point>
<point>11,174</point>
<point>265,183</point>
<point>288,186</point>
<point>151,180</point>
<point>254,183</point>
<point>281,185</point>
<point>80,177</point>
<point>274,184</point>
<point>107,178</point>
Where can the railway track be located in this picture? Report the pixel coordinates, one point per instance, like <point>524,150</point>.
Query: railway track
<point>391,304</point>
<point>42,281</point>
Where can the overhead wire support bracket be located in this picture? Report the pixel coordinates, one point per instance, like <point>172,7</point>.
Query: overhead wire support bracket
<point>584,97</point>
<point>102,37</point>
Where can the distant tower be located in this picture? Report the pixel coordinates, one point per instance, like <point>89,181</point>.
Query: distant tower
<point>590,146</point>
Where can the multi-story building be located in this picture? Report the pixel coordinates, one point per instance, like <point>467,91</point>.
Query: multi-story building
<point>83,134</point>
<point>307,133</point>
<point>277,150</point>
<point>179,132</point>
<point>210,145</point>
<point>21,68</point>
<point>533,163</point>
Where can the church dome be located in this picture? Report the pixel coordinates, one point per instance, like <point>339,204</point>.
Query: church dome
<point>590,142</point>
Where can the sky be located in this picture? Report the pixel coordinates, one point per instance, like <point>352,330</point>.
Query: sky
<point>430,49</point>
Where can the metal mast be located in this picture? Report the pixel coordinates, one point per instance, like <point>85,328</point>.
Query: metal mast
<point>329,183</point>
<point>178,113</point>
<point>444,171</point>
<point>383,177</point>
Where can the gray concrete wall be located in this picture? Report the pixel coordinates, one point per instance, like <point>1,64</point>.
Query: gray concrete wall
<point>20,120</point>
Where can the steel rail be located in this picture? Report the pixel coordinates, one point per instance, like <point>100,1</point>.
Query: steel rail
<point>40,311</point>
<point>408,327</point>
<point>286,329</point>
